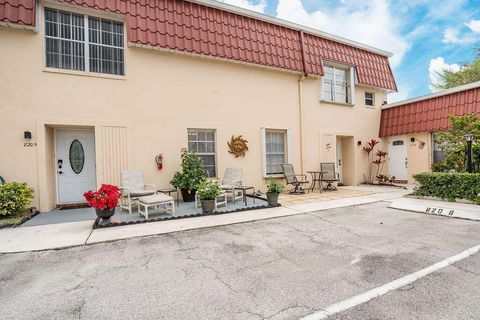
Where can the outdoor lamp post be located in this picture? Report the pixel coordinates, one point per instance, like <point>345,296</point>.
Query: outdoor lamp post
<point>469,138</point>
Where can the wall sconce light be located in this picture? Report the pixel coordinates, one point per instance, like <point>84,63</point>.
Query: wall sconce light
<point>412,140</point>
<point>359,143</point>
<point>27,135</point>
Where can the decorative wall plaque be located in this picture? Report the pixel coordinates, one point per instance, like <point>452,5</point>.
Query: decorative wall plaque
<point>237,146</point>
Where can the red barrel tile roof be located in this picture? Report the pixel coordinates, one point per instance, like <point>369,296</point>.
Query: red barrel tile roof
<point>200,29</point>
<point>18,11</point>
<point>429,114</point>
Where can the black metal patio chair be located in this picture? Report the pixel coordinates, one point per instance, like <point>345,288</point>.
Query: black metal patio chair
<point>329,175</point>
<point>292,178</point>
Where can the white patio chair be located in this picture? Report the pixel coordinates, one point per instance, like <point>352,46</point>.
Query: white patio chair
<point>232,178</point>
<point>132,187</point>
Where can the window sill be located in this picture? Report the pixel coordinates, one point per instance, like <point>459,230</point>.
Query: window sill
<point>84,73</point>
<point>370,107</point>
<point>337,103</point>
<point>275,176</point>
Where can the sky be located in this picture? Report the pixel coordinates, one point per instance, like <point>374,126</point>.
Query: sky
<point>425,36</point>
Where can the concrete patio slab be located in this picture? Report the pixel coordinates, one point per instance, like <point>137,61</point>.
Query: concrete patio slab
<point>287,199</point>
<point>57,216</point>
<point>53,236</point>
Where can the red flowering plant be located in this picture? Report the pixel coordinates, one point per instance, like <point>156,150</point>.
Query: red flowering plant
<point>368,150</point>
<point>379,162</point>
<point>104,198</point>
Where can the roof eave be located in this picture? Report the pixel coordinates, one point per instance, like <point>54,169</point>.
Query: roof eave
<point>465,87</point>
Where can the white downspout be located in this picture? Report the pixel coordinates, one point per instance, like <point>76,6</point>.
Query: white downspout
<point>300,116</point>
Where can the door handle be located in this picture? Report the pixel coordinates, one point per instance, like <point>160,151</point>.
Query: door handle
<point>60,172</point>
<point>406,163</point>
<point>339,162</point>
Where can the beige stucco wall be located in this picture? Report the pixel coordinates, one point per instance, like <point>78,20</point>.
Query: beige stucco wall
<point>161,96</point>
<point>323,123</point>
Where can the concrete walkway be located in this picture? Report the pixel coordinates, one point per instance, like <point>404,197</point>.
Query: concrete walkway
<point>63,235</point>
<point>52,236</point>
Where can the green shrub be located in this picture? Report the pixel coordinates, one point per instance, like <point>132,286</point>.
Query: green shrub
<point>449,186</point>
<point>14,197</point>
<point>273,187</point>
<point>209,190</point>
<point>192,174</point>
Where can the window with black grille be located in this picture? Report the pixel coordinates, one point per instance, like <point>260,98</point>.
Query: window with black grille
<point>83,43</point>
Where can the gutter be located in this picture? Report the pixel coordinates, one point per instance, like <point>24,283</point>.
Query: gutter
<point>300,117</point>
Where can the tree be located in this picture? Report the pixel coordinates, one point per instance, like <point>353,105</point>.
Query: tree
<point>453,142</point>
<point>470,72</point>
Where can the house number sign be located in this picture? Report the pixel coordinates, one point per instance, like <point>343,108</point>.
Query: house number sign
<point>453,213</point>
<point>470,213</point>
<point>29,144</point>
<point>440,211</point>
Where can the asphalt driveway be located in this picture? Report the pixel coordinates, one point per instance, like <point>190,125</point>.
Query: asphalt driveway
<point>282,268</point>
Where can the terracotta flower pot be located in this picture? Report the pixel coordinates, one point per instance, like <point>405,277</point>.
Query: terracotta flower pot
<point>208,206</point>
<point>105,214</point>
<point>272,199</point>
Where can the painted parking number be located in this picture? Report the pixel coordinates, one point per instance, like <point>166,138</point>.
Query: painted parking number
<point>438,211</point>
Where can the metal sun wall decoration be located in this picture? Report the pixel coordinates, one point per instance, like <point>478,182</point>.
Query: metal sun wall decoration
<point>237,146</point>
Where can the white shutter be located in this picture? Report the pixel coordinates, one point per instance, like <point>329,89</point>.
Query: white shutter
<point>352,84</point>
<point>264,151</point>
<point>322,95</point>
<point>289,145</point>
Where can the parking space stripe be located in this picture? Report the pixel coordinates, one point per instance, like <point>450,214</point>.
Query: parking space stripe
<point>395,284</point>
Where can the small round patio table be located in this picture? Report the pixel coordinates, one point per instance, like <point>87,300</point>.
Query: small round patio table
<point>317,177</point>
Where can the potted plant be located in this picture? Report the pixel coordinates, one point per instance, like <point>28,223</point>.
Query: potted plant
<point>104,200</point>
<point>273,190</point>
<point>190,177</point>
<point>208,191</point>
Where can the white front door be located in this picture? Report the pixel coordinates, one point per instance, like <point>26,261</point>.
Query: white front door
<point>339,163</point>
<point>75,164</point>
<point>397,158</point>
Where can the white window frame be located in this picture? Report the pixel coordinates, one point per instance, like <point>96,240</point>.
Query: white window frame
<point>373,99</point>
<point>432,135</point>
<point>206,153</point>
<point>86,42</point>
<point>288,151</point>
<point>350,70</point>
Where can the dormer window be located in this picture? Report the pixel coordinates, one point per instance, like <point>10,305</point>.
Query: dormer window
<point>337,84</point>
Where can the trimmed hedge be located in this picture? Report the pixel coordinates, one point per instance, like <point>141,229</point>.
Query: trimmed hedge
<point>449,186</point>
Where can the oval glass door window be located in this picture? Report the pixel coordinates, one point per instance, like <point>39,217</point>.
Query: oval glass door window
<point>76,156</point>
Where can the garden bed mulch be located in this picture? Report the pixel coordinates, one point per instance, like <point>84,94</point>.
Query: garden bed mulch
<point>25,216</point>
<point>98,225</point>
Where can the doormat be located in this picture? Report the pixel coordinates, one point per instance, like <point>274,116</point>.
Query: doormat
<point>77,206</point>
